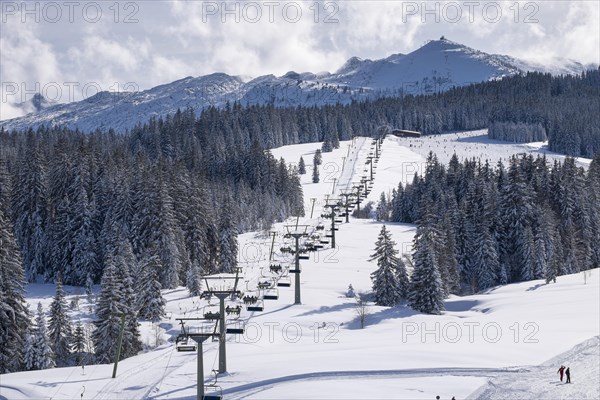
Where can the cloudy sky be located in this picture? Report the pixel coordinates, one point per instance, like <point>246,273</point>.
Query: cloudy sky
<point>68,50</point>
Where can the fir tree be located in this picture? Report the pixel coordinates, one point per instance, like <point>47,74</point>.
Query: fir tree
<point>426,293</point>
<point>318,157</point>
<point>228,250</point>
<point>78,344</point>
<point>14,316</point>
<point>151,304</point>
<point>59,327</point>
<point>301,167</point>
<point>43,357</point>
<point>315,175</point>
<point>387,286</point>
<point>485,261</point>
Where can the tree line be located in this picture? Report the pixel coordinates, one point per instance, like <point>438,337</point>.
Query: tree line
<point>152,209</point>
<point>479,226</point>
<point>521,108</point>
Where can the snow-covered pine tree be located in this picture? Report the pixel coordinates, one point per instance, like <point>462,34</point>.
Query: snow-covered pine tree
<point>327,146</point>
<point>78,344</point>
<point>228,237</point>
<point>540,256</point>
<point>30,211</point>
<point>318,158</point>
<point>30,353</point>
<point>526,249</point>
<point>426,293</point>
<point>116,299</point>
<point>485,259</point>
<point>382,211</point>
<point>59,327</point>
<point>301,167</point>
<point>150,302</point>
<point>387,287</point>
<point>14,315</point>
<point>127,299</point>
<point>315,174</point>
<point>89,285</point>
<point>108,315</point>
<point>44,356</point>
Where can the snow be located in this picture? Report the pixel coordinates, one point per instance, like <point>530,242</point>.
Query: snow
<point>506,342</point>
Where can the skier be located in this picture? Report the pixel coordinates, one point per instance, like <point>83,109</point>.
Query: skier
<point>568,373</point>
<point>561,371</point>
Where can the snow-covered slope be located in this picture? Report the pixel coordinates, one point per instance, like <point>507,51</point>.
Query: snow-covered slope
<point>438,65</point>
<point>494,344</point>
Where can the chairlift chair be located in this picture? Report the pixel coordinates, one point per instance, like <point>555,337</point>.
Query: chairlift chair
<point>271,294</point>
<point>183,343</point>
<point>264,285</point>
<point>258,306</point>
<point>284,282</point>
<point>277,268</point>
<point>212,315</point>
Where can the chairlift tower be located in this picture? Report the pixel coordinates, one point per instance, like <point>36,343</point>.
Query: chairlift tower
<point>346,204</point>
<point>365,181</point>
<point>222,287</point>
<point>370,159</point>
<point>297,232</point>
<point>200,337</point>
<point>357,188</point>
<point>332,208</point>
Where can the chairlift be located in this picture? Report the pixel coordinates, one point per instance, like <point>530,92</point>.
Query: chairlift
<point>303,257</point>
<point>295,271</point>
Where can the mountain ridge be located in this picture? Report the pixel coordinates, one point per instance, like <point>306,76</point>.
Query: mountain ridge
<point>436,66</point>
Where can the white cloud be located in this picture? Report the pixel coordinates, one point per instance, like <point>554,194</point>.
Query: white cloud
<point>174,39</point>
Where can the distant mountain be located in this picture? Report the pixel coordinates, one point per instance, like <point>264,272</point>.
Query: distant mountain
<point>437,66</point>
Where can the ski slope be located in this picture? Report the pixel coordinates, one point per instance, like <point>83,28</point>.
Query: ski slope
<point>506,342</point>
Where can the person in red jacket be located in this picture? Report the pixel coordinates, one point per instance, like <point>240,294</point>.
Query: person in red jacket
<point>561,371</point>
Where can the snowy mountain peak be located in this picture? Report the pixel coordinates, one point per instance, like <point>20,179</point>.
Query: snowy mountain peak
<point>353,64</point>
